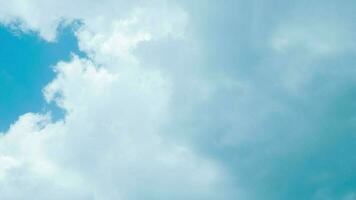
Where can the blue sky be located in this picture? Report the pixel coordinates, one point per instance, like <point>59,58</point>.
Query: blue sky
<point>26,67</point>
<point>240,99</point>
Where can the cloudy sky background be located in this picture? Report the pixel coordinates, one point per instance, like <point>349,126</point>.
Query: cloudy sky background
<point>151,100</point>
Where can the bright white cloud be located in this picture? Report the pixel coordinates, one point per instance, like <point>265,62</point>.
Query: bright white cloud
<point>170,107</point>
<point>110,144</point>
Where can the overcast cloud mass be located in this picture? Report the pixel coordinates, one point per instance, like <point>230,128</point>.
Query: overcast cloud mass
<point>189,100</point>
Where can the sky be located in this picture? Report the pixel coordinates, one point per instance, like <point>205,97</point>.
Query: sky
<point>151,100</point>
<point>26,67</point>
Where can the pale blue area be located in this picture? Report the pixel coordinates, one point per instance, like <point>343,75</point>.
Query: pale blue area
<point>25,68</point>
<point>277,142</point>
<point>301,145</point>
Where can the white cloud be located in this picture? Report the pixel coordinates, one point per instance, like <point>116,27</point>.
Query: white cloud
<point>110,144</point>
<point>163,109</point>
<point>99,16</point>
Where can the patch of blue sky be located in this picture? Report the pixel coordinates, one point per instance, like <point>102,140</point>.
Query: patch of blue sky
<point>26,67</point>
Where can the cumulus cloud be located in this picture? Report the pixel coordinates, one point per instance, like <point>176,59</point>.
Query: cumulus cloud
<point>178,100</point>
<point>109,145</point>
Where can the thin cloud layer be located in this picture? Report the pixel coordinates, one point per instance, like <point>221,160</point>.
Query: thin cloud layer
<point>183,100</point>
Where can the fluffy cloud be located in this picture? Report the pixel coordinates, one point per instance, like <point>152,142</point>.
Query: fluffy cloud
<point>110,144</point>
<point>107,147</point>
<point>189,101</point>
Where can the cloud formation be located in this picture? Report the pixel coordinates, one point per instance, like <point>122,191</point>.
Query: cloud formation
<point>178,100</point>
<point>109,145</point>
